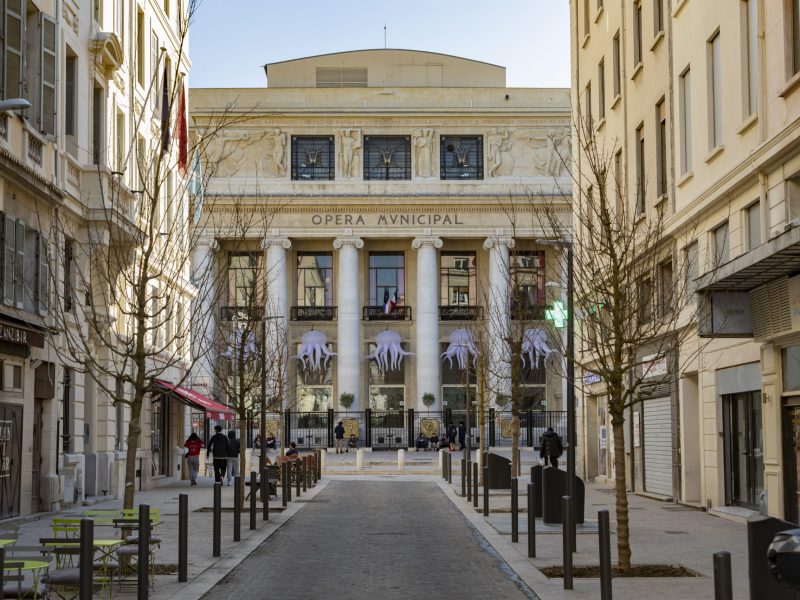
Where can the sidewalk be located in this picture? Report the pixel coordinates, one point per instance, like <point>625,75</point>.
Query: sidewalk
<point>204,571</point>
<point>661,532</point>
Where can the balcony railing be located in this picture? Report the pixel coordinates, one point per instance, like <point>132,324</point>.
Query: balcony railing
<point>529,312</point>
<point>460,313</point>
<point>242,313</point>
<point>378,313</point>
<point>313,313</point>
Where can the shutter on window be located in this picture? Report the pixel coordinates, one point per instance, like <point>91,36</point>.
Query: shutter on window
<point>156,91</point>
<point>2,51</point>
<point>754,225</point>
<point>47,107</point>
<point>42,276</point>
<point>19,270</point>
<point>8,260</point>
<point>13,48</point>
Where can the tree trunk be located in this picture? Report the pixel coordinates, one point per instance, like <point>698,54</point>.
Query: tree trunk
<point>243,467</point>
<point>623,525</point>
<point>134,432</point>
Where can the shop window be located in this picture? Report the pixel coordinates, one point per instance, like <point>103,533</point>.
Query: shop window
<point>314,279</point>
<point>10,377</point>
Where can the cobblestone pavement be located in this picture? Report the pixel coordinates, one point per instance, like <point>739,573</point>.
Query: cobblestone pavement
<point>374,539</point>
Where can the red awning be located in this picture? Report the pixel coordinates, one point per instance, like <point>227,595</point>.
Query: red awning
<point>213,410</point>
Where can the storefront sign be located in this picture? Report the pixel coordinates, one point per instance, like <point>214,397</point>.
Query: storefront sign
<point>589,378</point>
<point>15,334</point>
<point>376,220</point>
<point>655,365</point>
<point>603,435</point>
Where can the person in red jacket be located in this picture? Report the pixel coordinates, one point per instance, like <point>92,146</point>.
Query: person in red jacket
<point>194,445</point>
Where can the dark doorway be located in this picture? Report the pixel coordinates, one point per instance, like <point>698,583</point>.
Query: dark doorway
<point>744,457</point>
<point>36,458</point>
<point>791,449</point>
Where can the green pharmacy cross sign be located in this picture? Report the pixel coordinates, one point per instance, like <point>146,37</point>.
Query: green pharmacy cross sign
<point>557,314</point>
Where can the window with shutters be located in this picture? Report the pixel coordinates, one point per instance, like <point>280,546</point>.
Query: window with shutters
<point>42,275</point>
<point>68,274</point>
<point>14,44</point>
<point>721,245</point>
<point>140,33</point>
<point>98,125</point>
<point>640,174</point>
<point>751,62</point>
<point>661,149</point>
<point>47,70</point>
<point>27,276</point>
<point>714,92</point>
<point>617,66</point>
<point>70,105</point>
<point>19,264</point>
<point>754,225</point>
<point>9,256</point>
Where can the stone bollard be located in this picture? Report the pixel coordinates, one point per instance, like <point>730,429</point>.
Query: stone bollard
<point>360,459</point>
<point>401,460</point>
<point>442,458</point>
<point>322,462</point>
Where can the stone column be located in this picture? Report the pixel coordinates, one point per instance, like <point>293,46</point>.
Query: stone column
<point>203,315</point>
<point>276,312</point>
<point>498,317</point>
<point>427,317</point>
<point>348,337</point>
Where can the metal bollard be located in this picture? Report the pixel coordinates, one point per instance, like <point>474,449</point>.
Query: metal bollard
<point>566,514</point>
<point>531,521</point>
<point>444,465</point>
<point>305,469</point>
<point>469,481</point>
<point>475,485</point>
<point>486,491</point>
<point>723,586</point>
<point>86,560</point>
<point>297,475</point>
<point>2,567</point>
<point>216,530</point>
<point>463,477</point>
<point>253,498</point>
<point>514,510</point>
<point>143,580</point>
<point>319,465</point>
<point>449,468</point>
<point>286,491</point>
<point>265,493</point>
<point>605,554</point>
<point>237,509</point>
<point>183,537</point>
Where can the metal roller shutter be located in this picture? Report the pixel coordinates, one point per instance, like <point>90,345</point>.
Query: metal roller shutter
<point>658,446</point>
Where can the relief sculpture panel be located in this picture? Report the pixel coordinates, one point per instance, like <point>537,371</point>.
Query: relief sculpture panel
<point>235,152</point>
<point>423,152</point>
<point>349,145</point>
<point>528,153</point>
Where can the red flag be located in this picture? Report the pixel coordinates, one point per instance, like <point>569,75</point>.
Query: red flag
<point>183,135</point>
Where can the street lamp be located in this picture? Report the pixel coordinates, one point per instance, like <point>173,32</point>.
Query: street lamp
<point>14,104</point>
<point>571,433</point>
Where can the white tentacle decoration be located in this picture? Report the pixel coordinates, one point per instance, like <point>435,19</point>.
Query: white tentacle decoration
<point>462,344</point>
<point>534,345</point>
<point>314,348</point>
<point>238,339</point>
<point>388,351</point>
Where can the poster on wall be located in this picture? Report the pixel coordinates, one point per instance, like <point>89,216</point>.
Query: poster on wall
<point>602,439</point>
<point>636,437</point>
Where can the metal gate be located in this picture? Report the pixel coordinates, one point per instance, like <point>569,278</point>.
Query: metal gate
<point>657,444</point>
<point>386,429</point>
<point>10,459</point>
<point>309,429</point>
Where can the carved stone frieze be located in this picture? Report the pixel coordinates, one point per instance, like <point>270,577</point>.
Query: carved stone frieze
<point>423,152</point>
<point>349,145</point>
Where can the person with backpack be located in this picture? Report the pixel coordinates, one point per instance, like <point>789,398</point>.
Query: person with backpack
<point>193,446</point>
<point>218,449</point>
<point>551,447</point>
<point>338,432</point>
<point>234,447</point>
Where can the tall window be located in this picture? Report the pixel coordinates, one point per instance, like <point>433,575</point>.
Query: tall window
<point>457,279</point>
<point>314,388</point>
<point>645,300</point>
<point>640,173</point>
<point>140,47</point>
<point>527,279</point>
<point>387,278</point>
<point>586,17</point>
<point>692,270</point>
<point>750,34</point>
<point>714,92</point>
<point>637,33</point>
<point>461,157</point>
<point>665,287</point>
<point>658,16</point>
<point>661,148</point>
<point>754,225</point>
<point>98,122</point>
<point>120,139</point>
<point>685,91</point>
<point>67,399</point>
<point>312,158</point>
<point>69,274</point>
<point>14,38</point>
<point>70,89</point>
<point>387,390</point>
<point>243,279</point>
<point>387,157</point>
<point>795,36</point>
<point>601,90</point>
<point>617,66</point>
<point>721,245</point>
<point>587,97</point>
<point>315,279</point>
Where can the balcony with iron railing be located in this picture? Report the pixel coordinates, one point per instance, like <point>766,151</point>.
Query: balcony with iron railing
<point>378,313</point>
<point>460,313</point>
<point>313,313</point>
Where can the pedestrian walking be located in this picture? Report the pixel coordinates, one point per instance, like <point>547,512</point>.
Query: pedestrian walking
<point>338,431</point>
<point>218,449</point>
<point>193,446</point>
<point>550,448</point>
<point>462,434</point>
<point>451,436</point>
<point>234,447</point>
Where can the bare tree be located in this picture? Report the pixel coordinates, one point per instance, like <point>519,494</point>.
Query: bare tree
<point>633,296</point>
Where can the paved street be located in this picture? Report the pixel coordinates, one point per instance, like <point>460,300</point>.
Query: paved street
<point>373,539</point>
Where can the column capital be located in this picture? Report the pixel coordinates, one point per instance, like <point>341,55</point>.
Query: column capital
<point>356,242</point>
<point>283,242</point>
<point>426,239</point>
<point>498,241</point>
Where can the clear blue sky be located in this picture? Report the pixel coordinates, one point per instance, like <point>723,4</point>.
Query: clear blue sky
<point>230,40</point>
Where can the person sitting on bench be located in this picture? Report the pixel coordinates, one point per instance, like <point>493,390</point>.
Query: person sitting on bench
<point>291,451</point>
<point>352,442</point>
<point>434,439</point>
<point>422,442</point>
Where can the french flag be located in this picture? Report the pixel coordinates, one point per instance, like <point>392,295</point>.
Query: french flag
<point>389,302</point>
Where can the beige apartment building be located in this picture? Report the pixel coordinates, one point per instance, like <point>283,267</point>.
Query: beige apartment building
<point>703,99</point>
<point>392,179</point>
<point>91,70</point>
